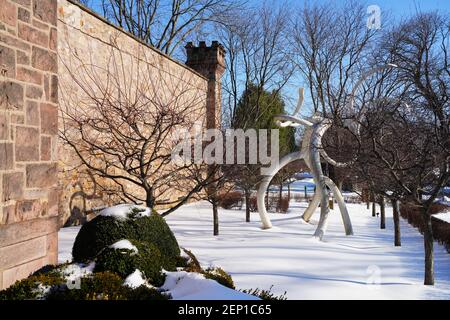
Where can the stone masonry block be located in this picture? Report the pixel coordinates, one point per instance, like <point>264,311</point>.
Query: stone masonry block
<point>41,175</point>
<point>12,186</point>
<point>49,119</point>
<point>45,10</point>
<point>27,144</point>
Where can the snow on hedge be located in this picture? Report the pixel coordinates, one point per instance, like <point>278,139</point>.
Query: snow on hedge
<point>135,280</point>
<point>444,216</point>
<point>75,271</point>
<point>124,245</point>
<point>184,285</point>
<point>123,211</point>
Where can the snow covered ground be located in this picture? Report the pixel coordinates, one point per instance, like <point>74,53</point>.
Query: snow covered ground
<point>363,266</point>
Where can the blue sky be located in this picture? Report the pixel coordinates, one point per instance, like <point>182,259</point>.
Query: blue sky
<point>403,8</point>
<point>399,8</point>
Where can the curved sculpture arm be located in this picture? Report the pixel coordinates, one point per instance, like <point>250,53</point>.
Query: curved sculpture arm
<point>290,121</point>
<point>301,94</point>
<point>267,224</point>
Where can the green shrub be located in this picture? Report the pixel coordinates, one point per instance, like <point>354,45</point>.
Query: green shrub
<point>28,288</point>
<point>103,231</point>
<point>265,294</point>
<point>105,286</point>
<point>154,229</point>
<point>97,234</point>
<point>146,293</point>
<point>219,275</point>
<point>124,262</point>
<point>98,286</point>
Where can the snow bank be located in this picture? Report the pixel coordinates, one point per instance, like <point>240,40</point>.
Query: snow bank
<point>124,244</point>
<point>184,285</point>
<point>122,211</point>
<point>135,280</point>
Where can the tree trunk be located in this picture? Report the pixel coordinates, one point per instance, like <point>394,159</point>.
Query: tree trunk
<point>289,192</point>
<point>429,250</point>
<point>247,205</point>
<point>267,198</point>
<point>339,185</point>
<point>374,209</point>
<point>368,204</point>
<point>396,215</point>
<point>280,197</point>
<point>382,213</point>
<point>149,199</point>
<point>215,218</point>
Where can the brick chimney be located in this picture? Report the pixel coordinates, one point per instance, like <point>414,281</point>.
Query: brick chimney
<point>209,62</point>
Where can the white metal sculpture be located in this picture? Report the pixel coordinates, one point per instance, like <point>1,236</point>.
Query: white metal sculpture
<point>311,151</point>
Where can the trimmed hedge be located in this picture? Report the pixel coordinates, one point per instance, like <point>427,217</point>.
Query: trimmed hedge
<point>97,234</point>
<point>124,262</point>
<point>154,229</point>
<point>102,232</point>
<point>441,229</point>
<point>29,288</point>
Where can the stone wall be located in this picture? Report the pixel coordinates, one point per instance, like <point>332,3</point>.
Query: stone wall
<point>44,47</point>
<point>87,42</point>
<point>28,137</point>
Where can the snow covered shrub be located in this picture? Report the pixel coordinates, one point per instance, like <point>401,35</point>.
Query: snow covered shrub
<point>230,200</point>
<point>33,287</point>
<point>125,222</point>
<point>105,286</point>
<point>94,286</point>
<point>219,275</point>
<point>124,260</point>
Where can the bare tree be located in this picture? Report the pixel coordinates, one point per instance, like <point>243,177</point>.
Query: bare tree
<point>420,47</point>
<point>168,25</point>
<point>406,147</point>
<point>257,48</point>
<point>120,118</point>
<point>331,47</point>
<point>257,61</point>
<point>216,184</point>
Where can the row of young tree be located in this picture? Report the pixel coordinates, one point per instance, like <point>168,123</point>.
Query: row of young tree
<point>399,138</point>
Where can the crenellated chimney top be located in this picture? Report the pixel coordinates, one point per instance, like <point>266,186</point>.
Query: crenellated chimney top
<point>208,61</point>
